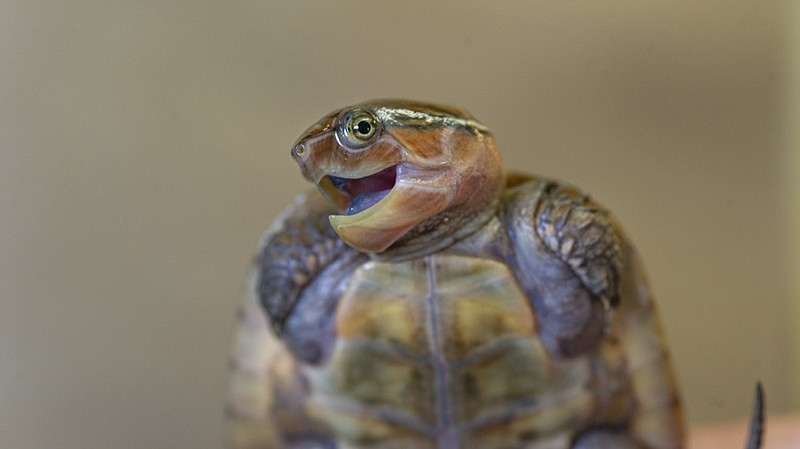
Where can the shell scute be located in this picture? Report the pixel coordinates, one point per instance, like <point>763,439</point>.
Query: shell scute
<point>378,305</point>
<point>480,303</point>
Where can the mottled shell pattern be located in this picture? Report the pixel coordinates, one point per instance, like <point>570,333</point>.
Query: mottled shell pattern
<point>422,298</point>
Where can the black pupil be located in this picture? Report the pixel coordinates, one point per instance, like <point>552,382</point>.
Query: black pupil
<point>363,127</point>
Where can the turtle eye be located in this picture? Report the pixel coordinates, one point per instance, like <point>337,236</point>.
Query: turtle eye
<point>357,129</point>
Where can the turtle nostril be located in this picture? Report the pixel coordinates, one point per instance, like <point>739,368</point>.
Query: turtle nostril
<point>299,151</point>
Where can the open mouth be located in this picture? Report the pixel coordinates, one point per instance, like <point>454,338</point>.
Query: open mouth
<point>359,194</point>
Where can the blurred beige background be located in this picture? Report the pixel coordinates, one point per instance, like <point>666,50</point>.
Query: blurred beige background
<point>144,146</point>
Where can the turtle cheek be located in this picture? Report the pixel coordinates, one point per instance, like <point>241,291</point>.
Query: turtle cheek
<point>425,149</point>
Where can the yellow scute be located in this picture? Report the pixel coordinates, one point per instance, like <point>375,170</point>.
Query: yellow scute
<point>381,304</point>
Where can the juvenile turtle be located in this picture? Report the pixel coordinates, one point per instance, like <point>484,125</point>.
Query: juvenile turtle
<point>429,300</point>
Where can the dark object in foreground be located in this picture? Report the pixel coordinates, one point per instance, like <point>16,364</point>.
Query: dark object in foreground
<point>756,436</point>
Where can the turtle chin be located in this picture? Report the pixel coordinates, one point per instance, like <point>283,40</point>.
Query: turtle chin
<point>373,223</point>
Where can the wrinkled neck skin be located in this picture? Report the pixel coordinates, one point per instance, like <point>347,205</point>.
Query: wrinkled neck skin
<point>447,230</point>
<point>475,178</point>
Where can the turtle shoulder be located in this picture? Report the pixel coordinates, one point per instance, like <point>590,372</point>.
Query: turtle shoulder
<point>295,259</point>
<point>588,288</point>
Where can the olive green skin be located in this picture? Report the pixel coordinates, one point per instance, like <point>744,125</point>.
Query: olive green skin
<point>534,329</point>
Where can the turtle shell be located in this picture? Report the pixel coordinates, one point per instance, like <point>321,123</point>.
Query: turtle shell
<point>537,330</point>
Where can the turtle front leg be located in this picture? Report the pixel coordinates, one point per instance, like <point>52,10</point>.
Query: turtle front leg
<point>568,257</point>
<point>286,322</point>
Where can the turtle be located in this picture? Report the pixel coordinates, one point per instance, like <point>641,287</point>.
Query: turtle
<point>424,298</point>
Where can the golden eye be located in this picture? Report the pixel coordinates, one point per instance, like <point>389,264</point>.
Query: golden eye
<point>364,128</point>
<point>358,128</point>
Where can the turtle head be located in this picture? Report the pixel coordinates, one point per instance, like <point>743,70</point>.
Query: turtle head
<point>404,174</point>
